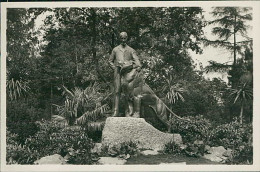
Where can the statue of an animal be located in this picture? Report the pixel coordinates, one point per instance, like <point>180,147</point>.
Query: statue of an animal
<point>141,96</point>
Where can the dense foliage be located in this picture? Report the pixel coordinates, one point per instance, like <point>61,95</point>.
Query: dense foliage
<point>122,150</point>
<point>197,128</point>
<point>230,25</point>
<point>61,68</point>
<point>54,139</point>
<point>200,132</point>
<point>15,152</point>
<point>231,135</point>
<point>236,137</point>
<point>21,117</point>
<point>172,148</point>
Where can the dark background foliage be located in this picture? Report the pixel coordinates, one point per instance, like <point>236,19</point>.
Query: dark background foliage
<point>67,67</point>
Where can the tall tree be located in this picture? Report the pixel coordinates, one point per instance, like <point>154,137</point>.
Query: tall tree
<point>230,23</point>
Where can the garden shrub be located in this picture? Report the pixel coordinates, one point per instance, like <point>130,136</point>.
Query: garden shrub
<point>194,150</point>
<point>197,128</point>
<point>236,137</point>
<point>75,142</point>
<point>44,138</point>
<point>129,147</point>
<point>57,139</point>
<point>231,135</point>
<point>241,155</point>
<point>172,148</point>
<point>190,149</point>
<point>54,138</point>
<point>121,149</point>
<point>21,119</point>
<point>17,153</point>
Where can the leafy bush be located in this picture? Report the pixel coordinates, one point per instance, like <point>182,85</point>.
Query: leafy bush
<point>21,119</point>
<point>53,139</point>
<point>231,135</point>
<point>121,149</point>
<point>236,137</point>
<point>197,128</point>
<point>195,133</point>
<point>17,153</point>
<point>241,155</point>
<point>128,148</point>
<point>172,148</point>
<point>72,141</point>
<point>45,137</point>
<point>190,149</point>
<point>194,150</point>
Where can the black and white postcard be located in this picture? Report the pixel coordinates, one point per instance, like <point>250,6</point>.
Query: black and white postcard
<point>130,86</point>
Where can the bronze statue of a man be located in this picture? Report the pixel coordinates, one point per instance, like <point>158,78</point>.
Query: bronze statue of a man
<point>123,59</point>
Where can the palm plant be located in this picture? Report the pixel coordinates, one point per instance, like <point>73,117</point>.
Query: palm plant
<point>84,107</point>
<point>241,94</point>
<point>16,89</point>
<point>174,91</point>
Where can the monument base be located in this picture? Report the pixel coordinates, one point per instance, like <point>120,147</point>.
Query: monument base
<point>123,129</point>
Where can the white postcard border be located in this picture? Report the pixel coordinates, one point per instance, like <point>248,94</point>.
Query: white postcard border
<point>256,110</point>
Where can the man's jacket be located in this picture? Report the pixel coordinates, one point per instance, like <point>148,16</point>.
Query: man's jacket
<point>123,57</point>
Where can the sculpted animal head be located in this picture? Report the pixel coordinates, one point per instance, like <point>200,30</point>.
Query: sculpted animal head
<point>129,74</point>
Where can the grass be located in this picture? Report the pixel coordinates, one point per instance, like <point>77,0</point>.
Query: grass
<point>167,158</point>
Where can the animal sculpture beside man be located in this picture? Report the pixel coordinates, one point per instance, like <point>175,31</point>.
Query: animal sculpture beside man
<point>128,78</point>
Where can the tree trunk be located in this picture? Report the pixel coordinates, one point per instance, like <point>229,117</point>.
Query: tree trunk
<point>76,61</point>
<point>241,114</point>
<point>234,82</point>
<point>235,58</point>
<point>94,42</point>
<point>51,99</point>
<point>76,57</point>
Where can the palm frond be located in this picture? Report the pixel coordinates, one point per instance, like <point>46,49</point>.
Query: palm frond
<point>92,115</point>
<point>95,126</point>
<point>59,119</point>
<point>237,95</point>
<point>242,93</point>
<point>84,105</point>
<point>16,88</point>
<point>175,93</point>
<point>67,92</point>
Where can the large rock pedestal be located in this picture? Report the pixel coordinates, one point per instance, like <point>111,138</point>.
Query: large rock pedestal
<point>123,129</point>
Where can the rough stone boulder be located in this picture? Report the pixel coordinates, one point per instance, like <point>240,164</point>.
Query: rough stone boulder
<point>52,159</point>
<point>123,129</point>
<point>111,161</point>
<point>97,149</point>
<point>218,154</point>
